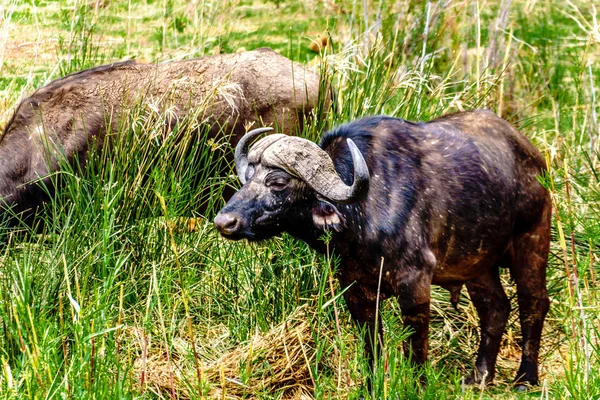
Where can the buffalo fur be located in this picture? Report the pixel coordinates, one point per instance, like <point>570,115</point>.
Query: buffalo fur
<point>62,120</point>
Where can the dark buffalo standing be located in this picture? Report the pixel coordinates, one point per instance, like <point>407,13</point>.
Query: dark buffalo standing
<point>446,202</point>
<point>63,119</point>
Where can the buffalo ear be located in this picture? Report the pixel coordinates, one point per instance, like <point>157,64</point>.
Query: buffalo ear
<point>326,216</point>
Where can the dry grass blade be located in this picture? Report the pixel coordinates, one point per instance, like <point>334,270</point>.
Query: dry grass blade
<point>278,361</point>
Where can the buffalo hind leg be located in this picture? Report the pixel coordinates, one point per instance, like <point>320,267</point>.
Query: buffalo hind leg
<point>528,260</point>
<point>493,307</point>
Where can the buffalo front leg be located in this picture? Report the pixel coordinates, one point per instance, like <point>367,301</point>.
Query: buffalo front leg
<point>364,312</point>
<point>414,299</point>
<point>529,257</point>
<point>417,319</point>
<point>493,308</point>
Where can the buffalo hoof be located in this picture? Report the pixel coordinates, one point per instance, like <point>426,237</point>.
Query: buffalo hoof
<point>526,377</point>
<point>520,387</point>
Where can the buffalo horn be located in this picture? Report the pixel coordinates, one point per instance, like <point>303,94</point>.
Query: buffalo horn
<point>241,152</point>
<point>306,160</point>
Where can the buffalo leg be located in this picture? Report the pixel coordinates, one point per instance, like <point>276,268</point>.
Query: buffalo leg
<point>493,307</point>
<point>414,294</point>
<point>416,318</point>
<point>528,260</point>
<point>364,312</point>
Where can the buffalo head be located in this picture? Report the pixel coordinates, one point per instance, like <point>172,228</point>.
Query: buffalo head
<point>286,179</point>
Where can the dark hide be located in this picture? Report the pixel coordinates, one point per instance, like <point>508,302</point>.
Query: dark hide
<point>449,202</point>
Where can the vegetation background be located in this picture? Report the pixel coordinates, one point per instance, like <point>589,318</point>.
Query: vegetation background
<point>125,296</point>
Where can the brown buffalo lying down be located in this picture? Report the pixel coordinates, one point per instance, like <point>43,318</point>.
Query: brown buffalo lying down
<point>66,118</point>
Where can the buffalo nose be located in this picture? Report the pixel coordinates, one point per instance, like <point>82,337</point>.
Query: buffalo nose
<point>228,223</point>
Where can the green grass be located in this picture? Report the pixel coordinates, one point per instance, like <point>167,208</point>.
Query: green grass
<point>119,298</point>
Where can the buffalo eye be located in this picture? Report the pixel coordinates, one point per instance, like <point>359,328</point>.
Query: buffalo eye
<point>278,184</point>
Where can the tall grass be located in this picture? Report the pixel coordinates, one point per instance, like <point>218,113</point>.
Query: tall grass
<point>128,292</point>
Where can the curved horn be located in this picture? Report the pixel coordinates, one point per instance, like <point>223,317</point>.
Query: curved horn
<point>306,160</point>
<point>360,185</point>
<point>241,152</point>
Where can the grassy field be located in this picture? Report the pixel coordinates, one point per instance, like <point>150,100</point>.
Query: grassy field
<point>123,297</point>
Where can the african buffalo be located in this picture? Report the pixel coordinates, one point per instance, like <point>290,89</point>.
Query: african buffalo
<point>67,117</point>
<point>408,205</point>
